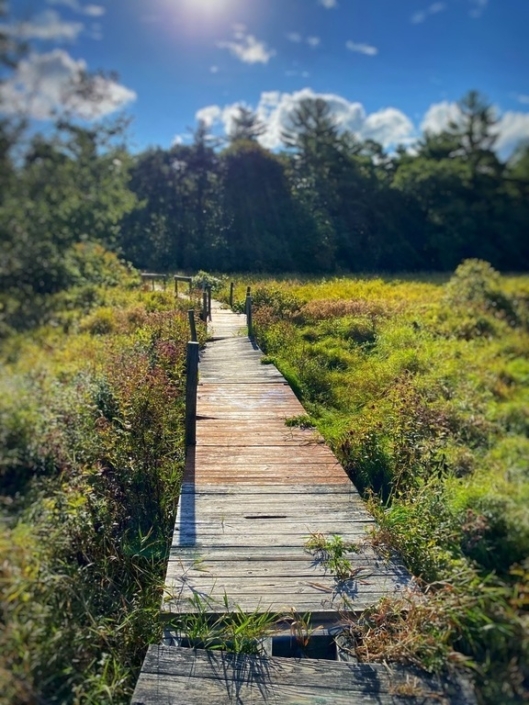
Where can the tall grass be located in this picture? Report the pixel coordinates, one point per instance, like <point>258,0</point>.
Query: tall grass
<point>91,455</point>
<point>422,389</point>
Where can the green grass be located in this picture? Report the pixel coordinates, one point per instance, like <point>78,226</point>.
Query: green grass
<point>91,456</point>
<point>421,386</point>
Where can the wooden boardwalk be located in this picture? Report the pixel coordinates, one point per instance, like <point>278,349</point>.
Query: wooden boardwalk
<point>254,490</point>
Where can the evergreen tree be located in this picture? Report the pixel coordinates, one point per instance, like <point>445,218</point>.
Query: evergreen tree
<point>245,126</point>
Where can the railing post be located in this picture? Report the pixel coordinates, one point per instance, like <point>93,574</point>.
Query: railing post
<point>204,306</point>
<point>191,393</point>
<point>232,286</point>
<point>248,293</point>
<point>176,287</point>
<point>209,303</point>
<point>249,322</point>
<point>190,287</point>
<point>192,325</point>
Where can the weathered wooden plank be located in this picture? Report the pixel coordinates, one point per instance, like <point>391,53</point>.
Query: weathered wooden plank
<point>272,569</point>
<point>226,525</point>
<point>247,583</point>
<point>345,489</point>
<point>175,676</point>
<point>159,689</point>
<point>204,540</point>
<point>320,605</point>
<point>251,421</point>
<point>324,499</point>
<point>274,513</point>
<point>285,476</point>
<point>252,440</point>
<point>284,553</point>
<point>312,453</point>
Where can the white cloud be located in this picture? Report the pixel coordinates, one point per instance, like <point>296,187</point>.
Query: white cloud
<point>313,42</point>
<point>433,9</point>
<point>209,115</point>
<point>46,85</point>
<point>77,6</point>
<point>512,126</point>
<point>247,48</point>
<point>214,69</point>
<point>366,49</point>
<point>47,25</point>
<point>328,4</point>
<point>389,126</point>
<point>439,116</point>
<point>523,99</point>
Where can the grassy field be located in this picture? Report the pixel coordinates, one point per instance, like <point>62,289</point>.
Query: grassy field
<point>421,386</point>
<point>91,454</point>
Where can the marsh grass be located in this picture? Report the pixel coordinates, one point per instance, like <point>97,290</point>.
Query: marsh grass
<point>421,386</point>
<point>91,455</point>
<point>220,626</point>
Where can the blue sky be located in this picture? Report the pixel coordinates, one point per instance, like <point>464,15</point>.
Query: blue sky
<point>389,69</point>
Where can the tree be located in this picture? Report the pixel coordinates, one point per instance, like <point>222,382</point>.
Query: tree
<point>257,209</point>
<point>245,126</point>
<point>71,188</point>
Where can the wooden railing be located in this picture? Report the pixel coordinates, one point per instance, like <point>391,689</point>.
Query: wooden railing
<point>193,346</point>
<point>154,277</point>
<point>187,280</point>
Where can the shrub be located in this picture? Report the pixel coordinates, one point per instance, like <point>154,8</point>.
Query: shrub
<point>101,322</point>
<point>477,284</point>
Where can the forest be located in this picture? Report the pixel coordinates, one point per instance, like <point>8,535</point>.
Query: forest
<point>325,204</point>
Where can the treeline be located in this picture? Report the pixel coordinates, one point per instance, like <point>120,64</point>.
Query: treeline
<point>328,202</point>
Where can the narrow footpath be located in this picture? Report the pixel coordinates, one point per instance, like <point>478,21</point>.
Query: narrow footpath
<point>255,490</point>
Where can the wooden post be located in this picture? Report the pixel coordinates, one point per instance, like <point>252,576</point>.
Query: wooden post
<point>191,393</point>
<point>192,324</point>
<point>176,287</point>
<point>190,287</point>
<point>249,315</point>
<point>248,294</point>
<point>232,286</point>
<point>204,306</point>
<point>209,303</point>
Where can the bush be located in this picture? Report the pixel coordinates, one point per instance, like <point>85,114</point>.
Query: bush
<point>476,284</point>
